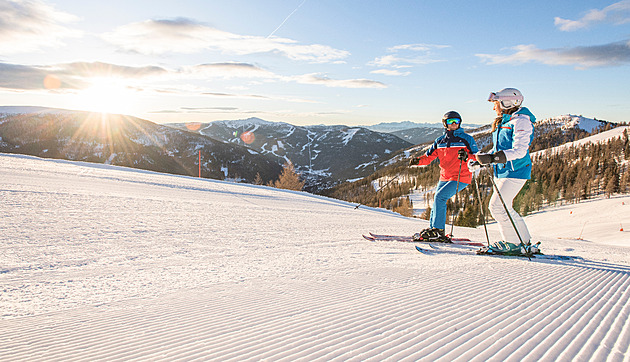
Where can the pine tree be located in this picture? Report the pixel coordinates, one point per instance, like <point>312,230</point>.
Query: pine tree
<point>470,216</point>
<point>289,179</point>
<point>403,206</point>
<point>426,215</point>
<point>258,180</point>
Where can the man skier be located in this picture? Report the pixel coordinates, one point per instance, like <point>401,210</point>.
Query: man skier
<point>452,148</point>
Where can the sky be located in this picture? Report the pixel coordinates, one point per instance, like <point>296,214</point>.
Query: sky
<point>351,62</point>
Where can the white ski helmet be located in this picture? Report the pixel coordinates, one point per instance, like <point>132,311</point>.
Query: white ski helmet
<point>508,98</point>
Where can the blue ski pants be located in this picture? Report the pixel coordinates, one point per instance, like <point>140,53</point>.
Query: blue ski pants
<point>444,191</point>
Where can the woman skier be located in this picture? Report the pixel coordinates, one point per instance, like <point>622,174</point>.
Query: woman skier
<point>453,148</point>
<point>512,134</point>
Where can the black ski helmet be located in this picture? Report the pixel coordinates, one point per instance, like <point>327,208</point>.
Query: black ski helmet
<point>449,115</point>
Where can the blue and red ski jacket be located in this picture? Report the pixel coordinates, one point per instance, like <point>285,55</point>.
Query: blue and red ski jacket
<point>446,148</point>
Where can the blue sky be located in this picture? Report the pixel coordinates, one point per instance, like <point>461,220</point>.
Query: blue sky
<point>316,61</point>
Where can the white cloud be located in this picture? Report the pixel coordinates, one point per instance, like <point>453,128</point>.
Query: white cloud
<point>617,13</point>
<point>390,72</point>
<point>245,70</point>
<point>30,25</point>
<point>80,75</point>
<point>231,70</point>
<point>416,47</point>
<point>613,54</point>
<point>101,69</point>
<point>406,56</point>
<point>338,83</point>
<point>187,36</point>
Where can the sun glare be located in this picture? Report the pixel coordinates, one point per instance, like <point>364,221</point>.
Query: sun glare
<point>107,97</point>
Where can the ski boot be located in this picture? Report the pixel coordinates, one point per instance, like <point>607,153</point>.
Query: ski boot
<point>501,248</point>
<point>507,248</point>
<point>432,235</point>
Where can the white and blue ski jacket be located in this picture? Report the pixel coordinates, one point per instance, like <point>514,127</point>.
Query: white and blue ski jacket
<point>514,136</point>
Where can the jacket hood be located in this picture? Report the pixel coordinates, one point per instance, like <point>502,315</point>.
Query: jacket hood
<point>525,111</point>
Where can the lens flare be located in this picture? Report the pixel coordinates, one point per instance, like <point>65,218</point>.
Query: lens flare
<point>248,137</point>
<point>52,82</point>
<point>193,126</point>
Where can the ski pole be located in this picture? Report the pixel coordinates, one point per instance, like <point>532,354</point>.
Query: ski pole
<point>382,187</point>
<point>456,192</point>
<point>481,209</point>
<point>508,213</point>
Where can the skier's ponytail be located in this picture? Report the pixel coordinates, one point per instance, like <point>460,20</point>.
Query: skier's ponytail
<point>497,121</point>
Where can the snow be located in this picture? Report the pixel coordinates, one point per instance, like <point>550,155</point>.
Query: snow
<point>596,138</point>
<point>111,158</point>
<point>349,134</point>
<point>571,121</point>
<point>364,165</point>
<point>595,220</point>
<point>420,200</point>
<point>107,263</point>
<point>246,123</point>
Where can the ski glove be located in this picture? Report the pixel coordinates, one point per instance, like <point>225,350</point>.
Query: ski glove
<point>414,161</point>
<point>497,157</point>
<point>462,155</point>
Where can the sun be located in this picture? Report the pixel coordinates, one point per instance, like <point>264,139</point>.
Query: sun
<point>106,96</point>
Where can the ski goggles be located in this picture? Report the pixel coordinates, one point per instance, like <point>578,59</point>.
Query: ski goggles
<point>494,97</point>
<point>453,121</point>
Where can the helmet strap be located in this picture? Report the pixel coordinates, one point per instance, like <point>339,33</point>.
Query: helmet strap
<point>510,111</point>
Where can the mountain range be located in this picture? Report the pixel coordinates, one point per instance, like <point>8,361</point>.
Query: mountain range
<point>324,155</point>
<point>127,141</point>
<point>238,150</point>
<point>233,149</point>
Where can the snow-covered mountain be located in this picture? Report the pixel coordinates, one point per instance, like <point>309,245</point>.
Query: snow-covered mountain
<point>602,137</point>
<point>108,263</point>
<point>323,154</point>
<point>31,109</point>
<point>413,132</point>
<point>400,127</point>
<point>390,127</point>
<point>569,121</point>
<point>417,136</point>
<point>126,141</point>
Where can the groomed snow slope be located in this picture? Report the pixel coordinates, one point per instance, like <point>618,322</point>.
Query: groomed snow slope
<point>107,263</point>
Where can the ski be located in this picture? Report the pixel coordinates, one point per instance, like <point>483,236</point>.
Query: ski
<point>402,238</point>
<point>382,236</point>
<point>427,251</point>
<point>423,251</point>
<point>472,252</point>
